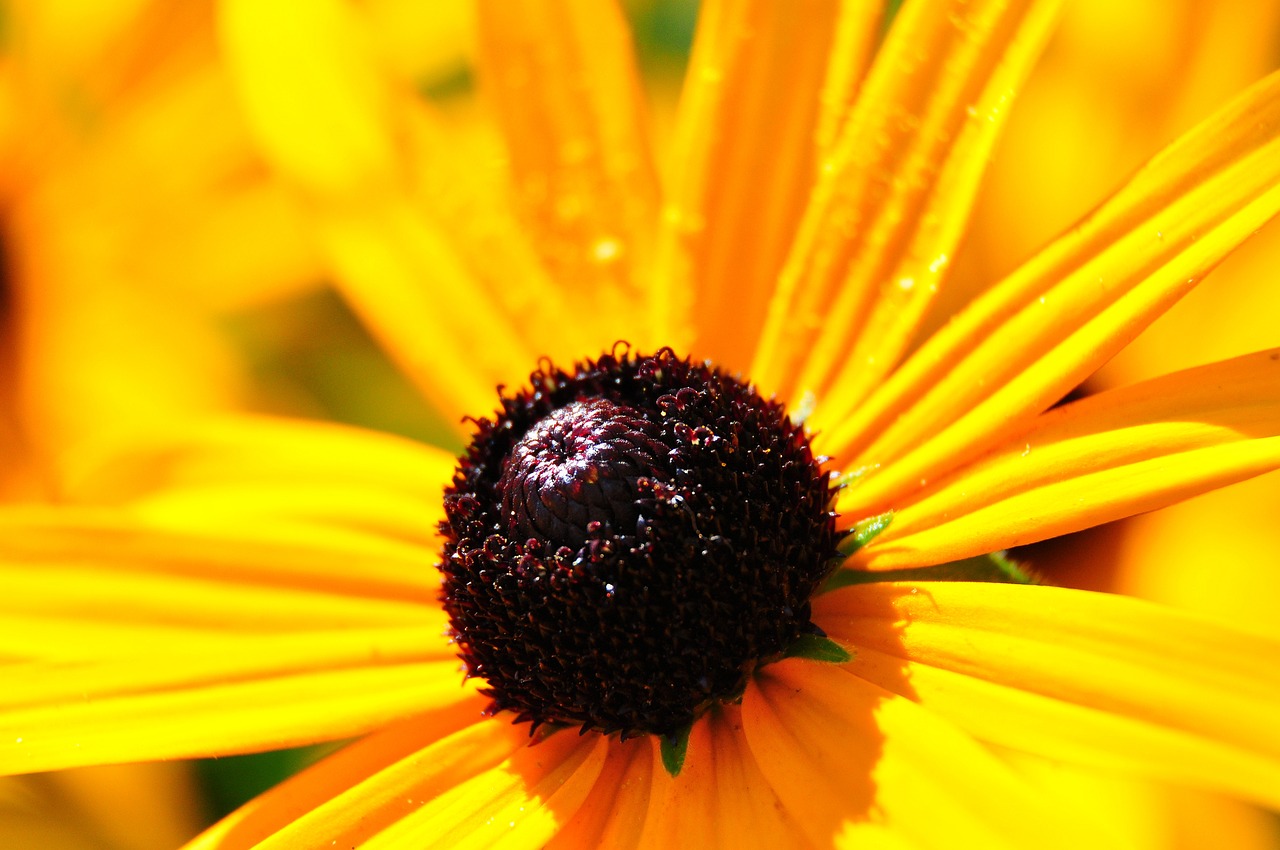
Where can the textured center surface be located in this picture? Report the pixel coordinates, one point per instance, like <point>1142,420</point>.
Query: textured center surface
<point>627,542</point>
<point>578,466</point>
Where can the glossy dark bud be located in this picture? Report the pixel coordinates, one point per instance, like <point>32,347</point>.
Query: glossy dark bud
<point>574,473</point>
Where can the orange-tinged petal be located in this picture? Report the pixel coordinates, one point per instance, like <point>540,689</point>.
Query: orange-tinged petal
<point>1115,84</point>
<point>1080,502</point>
<point>858,29</point>
<point>1082,677</point>
<point>614,812</point>
<point>485,786</point>
<point>1024,344</point>
<point>562,77</point>
<point>894,196</point>
<point>720,798</point>
<point>1109,456</point>
<point>518,804</point>
<point>400,766</point>
<point>670,805</point>
<point>310,557</point>
<point>744,160</point>
<point>847,757</point>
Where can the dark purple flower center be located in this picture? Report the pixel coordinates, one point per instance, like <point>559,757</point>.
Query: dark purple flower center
<point>627,542</point>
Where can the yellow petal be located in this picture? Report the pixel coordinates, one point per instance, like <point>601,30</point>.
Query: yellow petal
<point>858,30</point>
<point>744,160</point>
<point>1024,344</point>
<point>235,471</point>
<point>425,47</point>
<point>847,758</point>
<point>86,597</point>
<point>89,338</point>
<point>185,665</point>
<point>262,449</point>
<point>1087,678</point>
<point>1115,84</point>
<point>51,636</point>
<point>310,558</point>
<point>395,770</point>
<point>894,196</point>
<point>409,285</point>
<point>1109,456</point>
<point>368,509</point>
<point>562,76</point>
<point>219,714</point>
<point>1144,814</point>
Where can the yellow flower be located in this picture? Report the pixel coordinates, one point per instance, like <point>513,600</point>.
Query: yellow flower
<point>119,196</point>
<point>270,583</point>
<point>110,230</point>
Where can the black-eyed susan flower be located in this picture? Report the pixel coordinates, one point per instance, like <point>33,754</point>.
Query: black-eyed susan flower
<point>650,549</point>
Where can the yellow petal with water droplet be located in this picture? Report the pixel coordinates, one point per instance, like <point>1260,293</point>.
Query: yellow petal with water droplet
<point>562,76</point>
<point>893,197</point>
<point>744,159</point>
<point>1027,342</point>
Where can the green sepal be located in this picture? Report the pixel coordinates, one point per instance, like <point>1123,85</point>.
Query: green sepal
<point>673,748</point>
<point>818,648</point>
<point>864,532</point>
<point>995,568</point>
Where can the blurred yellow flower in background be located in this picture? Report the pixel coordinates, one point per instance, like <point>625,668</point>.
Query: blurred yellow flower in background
<point>263,583</point>
<point>99,178</point>
<point>122,194</point>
